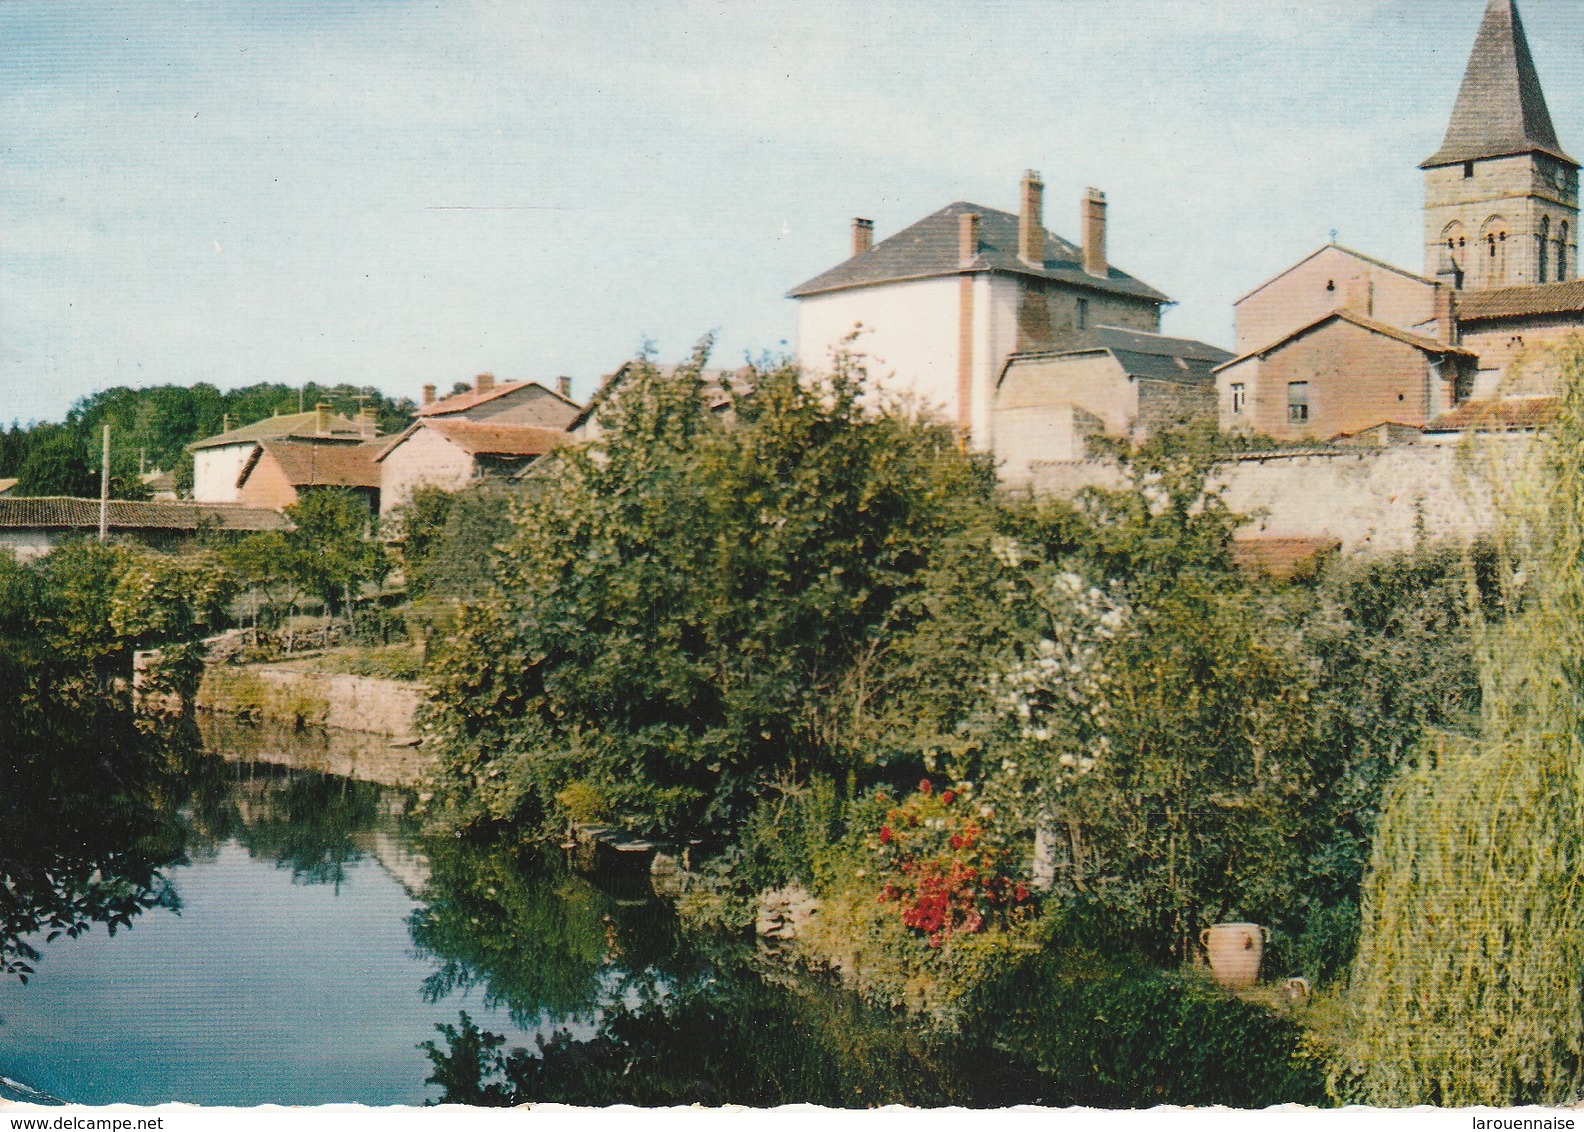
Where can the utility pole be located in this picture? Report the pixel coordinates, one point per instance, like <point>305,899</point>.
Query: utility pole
<point>104,488</point>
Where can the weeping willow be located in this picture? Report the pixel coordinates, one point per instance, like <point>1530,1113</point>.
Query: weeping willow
<point>1468,988</point>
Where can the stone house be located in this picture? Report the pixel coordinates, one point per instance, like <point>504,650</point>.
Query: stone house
<point>943,304</point>
<point>279,471</point>
<point>1342,373</point>
<point>452,452</point>
<point>1122,383</point>
<point>31,527</point>
<point>1499,326</point>
<point>218,460</point>
<point>504,403</point>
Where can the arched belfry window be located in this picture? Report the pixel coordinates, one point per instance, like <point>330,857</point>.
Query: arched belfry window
<point>1564,260</point>
<point>1454,250</point>
<point>1493,245</point>
<point>1545,248</point>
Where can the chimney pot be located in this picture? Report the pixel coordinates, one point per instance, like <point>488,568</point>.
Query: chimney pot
<point>1094,230</point>
<point>862,235</point>
<point>322,417</point>
<point>1031,221</point>
<point>367,424</point>
<point>484,383</point>
<point>429,395</point>
<point>968,238</point>
<point>564,386</point>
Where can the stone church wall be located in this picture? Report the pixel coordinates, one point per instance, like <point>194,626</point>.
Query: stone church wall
<point>1382,500</point>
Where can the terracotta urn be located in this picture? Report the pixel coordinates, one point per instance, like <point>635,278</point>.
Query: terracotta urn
<point>1235,951</point>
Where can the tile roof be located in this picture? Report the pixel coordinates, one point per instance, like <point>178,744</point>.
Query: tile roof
<point>716,383</point>
<point>308,463</point>
<point>1508,415</point>
<point>1501,108</point>
<point>1518,302</point>
<point>1142,354</point>
<point>480,438</point>
<point>290,424</point>
<point>63,513</point>
<point>929,249</point>
<point>1418,341</point>
<point>461,402</point>
<point>1281,558</point>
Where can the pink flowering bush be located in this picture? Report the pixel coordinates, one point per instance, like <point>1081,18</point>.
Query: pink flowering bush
<point>945,866</point>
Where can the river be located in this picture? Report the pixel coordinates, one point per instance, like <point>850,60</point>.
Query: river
<point>213,917</point>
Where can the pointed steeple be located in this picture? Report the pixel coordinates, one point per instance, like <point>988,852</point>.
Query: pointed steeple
<point>1501,109</point>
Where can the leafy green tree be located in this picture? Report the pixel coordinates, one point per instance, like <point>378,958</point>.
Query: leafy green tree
<point>57,464</point>
<point>330,549</point>
<point>684,603</point>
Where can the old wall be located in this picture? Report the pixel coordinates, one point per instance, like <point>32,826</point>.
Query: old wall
<point>424,459</point>
<point>215,472</point>
<point>1500,342</point>
<point>267,485</point>
<point>1168,404</point>
<point>311,699</point>
<point>1332,279</point>
<point>1381,500</point>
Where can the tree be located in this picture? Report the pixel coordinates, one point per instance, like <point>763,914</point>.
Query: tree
<point>329,549</point>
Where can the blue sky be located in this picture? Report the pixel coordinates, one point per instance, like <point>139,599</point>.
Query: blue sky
<point>391,192</point>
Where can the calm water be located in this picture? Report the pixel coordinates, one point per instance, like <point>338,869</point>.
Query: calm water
<point>297,941</point>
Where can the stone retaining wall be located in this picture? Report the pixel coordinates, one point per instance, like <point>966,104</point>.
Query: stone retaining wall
<point>312,699</point>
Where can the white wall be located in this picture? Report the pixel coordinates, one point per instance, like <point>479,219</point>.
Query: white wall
<point>909,343</point>
<point>215,472</point>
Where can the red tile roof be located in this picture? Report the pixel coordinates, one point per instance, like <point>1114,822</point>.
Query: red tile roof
<point>1418,341</point>
<point>461,402</point>
<point>1280,558</point>
<point>291,424</point>
<point>1499,416</point>
<point>310,464</point>
<point>1521,302</point>
<point>480,438</point>
<point>65,513</point>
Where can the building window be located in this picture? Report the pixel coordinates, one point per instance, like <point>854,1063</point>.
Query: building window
<point>1545,247</point>
<point>1562,254</point>
<point>1468,170</point>
<point>1239,397</point>
<point>1297,402</point>
<point>1083,314</point>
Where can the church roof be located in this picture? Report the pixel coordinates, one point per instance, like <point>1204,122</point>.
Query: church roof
<point>929,249</point>
<point>1522,302</point>
<point>1501,108</point>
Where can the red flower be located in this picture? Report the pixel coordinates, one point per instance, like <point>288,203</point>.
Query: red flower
<point>882,797</point>
<point>954,841</point>
<point>924,786</point>
<point>1020,893</point>
<point>948,796</point>
<point>885,835</point>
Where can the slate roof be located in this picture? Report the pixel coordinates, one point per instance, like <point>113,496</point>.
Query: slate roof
<point>1499,416</point>
<point>461,402</point>
<point>309,464</point>
<point>929,249</point>
<point>1418,341</point>
<point>1501,108</point>
<point>64,513</point>
<point>480,438</point>
<point>1520,302</point>
<point>290,424</point>
<point>1153,357</point>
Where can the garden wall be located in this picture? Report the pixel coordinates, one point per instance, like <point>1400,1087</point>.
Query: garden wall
<point>312,699</point>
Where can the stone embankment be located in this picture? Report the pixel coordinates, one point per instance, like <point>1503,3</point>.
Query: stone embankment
<point>299,699</point>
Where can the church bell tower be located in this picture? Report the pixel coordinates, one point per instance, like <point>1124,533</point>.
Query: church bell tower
<point>1501,195</point>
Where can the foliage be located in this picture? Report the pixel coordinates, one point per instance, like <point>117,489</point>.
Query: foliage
<point>945,866</point>
<point>684,606</point>
<point>1470,967</point>
<point>329,548</point>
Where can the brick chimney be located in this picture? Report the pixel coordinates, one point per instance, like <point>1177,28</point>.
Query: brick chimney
<point>1094,234</point>
<point>484,383</point>
<point>322,417</point>
<point>429,395</point>
<point>967,238</point>
<point>564,386</point>
<point>368,426</point>
<point>862,235</point>
<point>1031,220</point>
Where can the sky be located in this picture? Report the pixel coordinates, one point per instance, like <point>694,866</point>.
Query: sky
<point>395,192</point>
